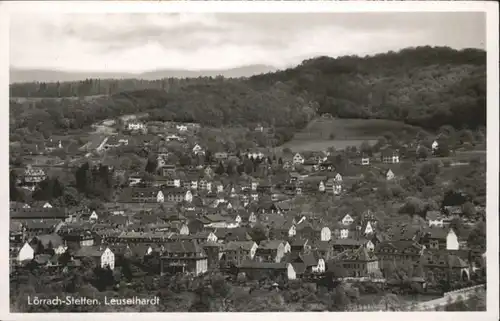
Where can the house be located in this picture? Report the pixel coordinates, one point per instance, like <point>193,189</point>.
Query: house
<point>365,160</point>
<point>435,219</point>
<point>347,220</point>
<point>18,205</point>
<point>324,250</point>
<point>103,256</point>
<point>313,231</point>
<point>115,141</point>
<point>434,146</point>
<point>79,238</point>
<point>254,154</point>
<point>135,125</point>
<point>239,234</point>
<point>350,243</point>
<point>40,227</point>
<point>134,180</point>
<point>359,262</point>
<point>437,238</point>
<point>197,150</point>
<point>321,187</point>
<point>170,138</point>
<point>143,195</point>
<point>220,156</point>
<point>178,195</point>
<point>272,251</point>
<point>389,156</point>
<point>41,205</point>
<point>400,252</point>
<point>334,185</point>
<point>52,145</point>
<point>183,257</point>
<point>389,175</point>
<point>270,270</point>
<point>218,221</point>
<point>370,246</point>
<point>33,175</point>
<point>16,232</point>
<point>26,253</point>
<point>141,250</point>
<point>300,245</point>
<point>342,231</point>
<point>236,252</point>
<point>305,264</point>
<point>445,265</point>
<point>50,242</point>
<point>205,185</point>
<point>298,159</point>
<point>38,213</point>
<point>47,260</point>
<point>93,216</point>
<point>168,170</point>
<point>173,182</point>
<point>368,228</point>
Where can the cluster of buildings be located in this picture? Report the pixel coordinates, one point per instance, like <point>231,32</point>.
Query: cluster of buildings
<point>268,240</point>
<point>202,221</point>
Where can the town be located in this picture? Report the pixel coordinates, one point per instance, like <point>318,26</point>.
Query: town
<point>163,207</point>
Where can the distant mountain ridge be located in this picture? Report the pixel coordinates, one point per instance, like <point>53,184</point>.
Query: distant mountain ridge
<point>18,75</point>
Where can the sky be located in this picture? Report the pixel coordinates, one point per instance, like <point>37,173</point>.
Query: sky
<point>138,42</point>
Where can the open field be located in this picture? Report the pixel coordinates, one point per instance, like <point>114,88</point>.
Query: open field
<point>319,145</point>
<point>323,133</point>
<point>352,129</point>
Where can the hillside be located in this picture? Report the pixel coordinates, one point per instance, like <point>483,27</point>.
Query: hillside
<point>427,87</point>
<point>324,132</point>
<point>422,86</point>
<point>17,75</point>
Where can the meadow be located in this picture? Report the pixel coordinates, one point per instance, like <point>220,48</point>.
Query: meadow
<point>323,133</point>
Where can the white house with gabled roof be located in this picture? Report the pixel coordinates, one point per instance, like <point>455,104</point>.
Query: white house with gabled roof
<point>26,253</point>
<point>160,198</point>
<point>347,220</point>
<point>298,159</point>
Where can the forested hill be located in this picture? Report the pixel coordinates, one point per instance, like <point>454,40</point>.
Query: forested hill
<point>423,86</point>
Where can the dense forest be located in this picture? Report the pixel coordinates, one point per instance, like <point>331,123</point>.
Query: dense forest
<point>424,86</point>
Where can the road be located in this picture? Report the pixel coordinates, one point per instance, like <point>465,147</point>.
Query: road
<point>453,296</point>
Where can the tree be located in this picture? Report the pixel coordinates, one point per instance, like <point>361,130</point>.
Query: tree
<point>340,300</point>
<point>413,206</point>
<point>259,233</point>
<point>151,165</point>
<point>48,189</point>
<point>184,160</point>
<point>14,193</point>
<point>423,152</point>
<point>468,210</point>
<point>220,169</point>
<point>366,148</point>
<point>391,302</point>
<point>429,171</point>
<point>338,271</point>
<point>443,150</point>
<point>477,237</point>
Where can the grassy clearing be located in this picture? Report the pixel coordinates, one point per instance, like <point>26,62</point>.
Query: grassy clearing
<point>352,129</point>
<point>319,145</point>
<point>323,133</point>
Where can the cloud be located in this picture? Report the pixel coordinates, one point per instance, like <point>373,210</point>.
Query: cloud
<point>140,42</point>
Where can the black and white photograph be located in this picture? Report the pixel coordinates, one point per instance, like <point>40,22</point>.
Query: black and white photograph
<point>251,161</point>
